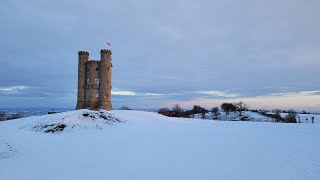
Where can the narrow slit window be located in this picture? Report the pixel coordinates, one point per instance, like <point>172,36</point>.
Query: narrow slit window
<point>97,80</point>
<point>97,94</point>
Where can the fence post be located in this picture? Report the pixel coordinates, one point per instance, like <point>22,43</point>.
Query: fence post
<point>299,119</point>
<point>312,118</point>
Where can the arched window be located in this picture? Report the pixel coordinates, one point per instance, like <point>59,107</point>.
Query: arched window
<point>97,94</point>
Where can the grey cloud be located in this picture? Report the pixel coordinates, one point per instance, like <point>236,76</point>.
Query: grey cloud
<point>187,46</point>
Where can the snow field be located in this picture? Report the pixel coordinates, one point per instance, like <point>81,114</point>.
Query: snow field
<point>150,146</point>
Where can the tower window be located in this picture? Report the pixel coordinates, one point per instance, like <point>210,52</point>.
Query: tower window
<point>87,94</point>
<point>97,94</point>
<point>97,80</point>
<point>87,80</point>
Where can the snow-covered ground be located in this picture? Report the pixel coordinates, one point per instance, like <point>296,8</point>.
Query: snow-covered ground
<point>305,118</point>
<point>235,116</point>
<point>144,145</point>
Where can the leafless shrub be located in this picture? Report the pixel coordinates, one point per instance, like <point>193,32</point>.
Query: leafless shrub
<point>291,117</point>
<point>2,116</point>
<point>125,108</point>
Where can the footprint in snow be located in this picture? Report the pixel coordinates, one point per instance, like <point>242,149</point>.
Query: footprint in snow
<point>6,150</point>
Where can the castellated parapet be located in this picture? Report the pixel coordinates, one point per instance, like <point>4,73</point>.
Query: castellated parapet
<point>94,81</point>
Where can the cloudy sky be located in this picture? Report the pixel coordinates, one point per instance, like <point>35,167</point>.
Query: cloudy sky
<point>263,52</point>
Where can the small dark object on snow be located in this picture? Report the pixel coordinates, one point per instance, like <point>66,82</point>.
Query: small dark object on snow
<point>52,112</point>
<point>312,119</point>
<point>85,114</point>
<point>244,118</point>
<point>103,116</point>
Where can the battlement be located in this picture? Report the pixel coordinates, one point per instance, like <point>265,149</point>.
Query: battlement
<point>93,62</point>
<point>83,53</point>
<point>107,51</point>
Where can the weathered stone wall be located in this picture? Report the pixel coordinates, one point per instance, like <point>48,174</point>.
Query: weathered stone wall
<point>92,72</point>
<point>94,93</point>
<point>83,58</point>
<point>105,79</point>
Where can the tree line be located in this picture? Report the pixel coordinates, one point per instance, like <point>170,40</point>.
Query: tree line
<point>227,108</point>
<point>10,116</point>
<point>177,111</point>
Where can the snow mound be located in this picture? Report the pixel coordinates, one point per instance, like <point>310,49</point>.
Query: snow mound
<point>68,121</point>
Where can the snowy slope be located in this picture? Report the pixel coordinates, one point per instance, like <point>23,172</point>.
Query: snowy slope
<point>305,118</point>
<point>148,146</point>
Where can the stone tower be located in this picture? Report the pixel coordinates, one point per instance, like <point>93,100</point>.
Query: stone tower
<point>94,81</point>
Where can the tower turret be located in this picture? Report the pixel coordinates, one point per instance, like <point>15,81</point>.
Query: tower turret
<point>83,57</point>
<point>105,79</point>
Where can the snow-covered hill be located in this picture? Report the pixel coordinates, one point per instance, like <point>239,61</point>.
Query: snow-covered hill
<point>142,145</point>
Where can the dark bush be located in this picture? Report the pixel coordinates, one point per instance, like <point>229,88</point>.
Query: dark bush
<point>125,108</point>
<point>15,116</point>
<point>277,117</point>
<point>2,116</point>
<point>199,110</point>
<point>188,114</point>
<point>291,117</point>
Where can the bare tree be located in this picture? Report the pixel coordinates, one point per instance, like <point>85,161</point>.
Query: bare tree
<point>163,111</point>
<point>178,110</point>
<point>277,114</point>
<point>291,117</point>
<point>198,109</point>
<point>125,108</point>
<point>277,111</point>
<point>241,107</point>
<point>215,112</point>
<point>228,107</point>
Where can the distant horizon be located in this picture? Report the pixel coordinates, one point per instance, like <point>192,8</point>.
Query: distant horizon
<point>58,109</point>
